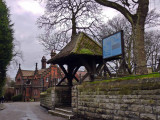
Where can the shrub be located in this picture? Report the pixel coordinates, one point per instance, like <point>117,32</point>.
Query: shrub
<point>17,98</point>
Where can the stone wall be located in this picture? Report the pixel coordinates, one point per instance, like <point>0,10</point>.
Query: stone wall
<point>62,96</point>
<point>59,96</point>
<point>46,98</point>
<point>119,100</point>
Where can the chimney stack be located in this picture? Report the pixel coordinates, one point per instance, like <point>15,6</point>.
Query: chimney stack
<point>19,66</point>
<point>36,66</point>
<point>43,62</point>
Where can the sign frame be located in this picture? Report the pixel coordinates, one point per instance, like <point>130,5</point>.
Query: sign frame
<point>119,56</point>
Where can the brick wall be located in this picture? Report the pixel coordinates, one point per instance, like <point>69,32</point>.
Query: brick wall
<point>121,100</point>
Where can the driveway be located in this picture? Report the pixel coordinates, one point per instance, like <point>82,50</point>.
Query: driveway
<point>26,111</point>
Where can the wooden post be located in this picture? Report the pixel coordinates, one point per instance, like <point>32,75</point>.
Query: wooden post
<point>70,75</point>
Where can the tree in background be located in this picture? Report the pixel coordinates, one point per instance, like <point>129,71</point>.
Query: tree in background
<point>63,19</point>
<point>9,81</point>
<point>6,42</point>
<point>152,47</point>
<point>9,88</point>
<point>114,25</point>
<point>152,36</point>
<point>135,11</point>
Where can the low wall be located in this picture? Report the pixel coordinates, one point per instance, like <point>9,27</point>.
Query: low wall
<point>46,98</point>
<point>119,100</point>
<point>59,96</point>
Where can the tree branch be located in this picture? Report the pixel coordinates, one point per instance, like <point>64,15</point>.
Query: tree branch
<point>117,7</point>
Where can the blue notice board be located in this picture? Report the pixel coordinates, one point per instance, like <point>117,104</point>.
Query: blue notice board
<point>112,45</point>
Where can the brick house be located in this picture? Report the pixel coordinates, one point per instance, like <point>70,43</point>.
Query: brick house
<point>30,83</point>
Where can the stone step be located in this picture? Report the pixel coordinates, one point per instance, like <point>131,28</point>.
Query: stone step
<point>61,113</point>
<point>64,110</point>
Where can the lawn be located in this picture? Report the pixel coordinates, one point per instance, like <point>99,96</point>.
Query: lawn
<point>131,77</point>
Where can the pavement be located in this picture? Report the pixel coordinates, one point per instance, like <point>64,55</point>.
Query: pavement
<point>2,107</point>
<point>25,111</point>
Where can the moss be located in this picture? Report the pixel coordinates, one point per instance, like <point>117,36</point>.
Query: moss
<point>132,77</point>
<point>85,45</point>
<point>152,101</point>
<point>49,90</point>
<point>43,93</point>
<point>86,51</point>
<point>118,88</point>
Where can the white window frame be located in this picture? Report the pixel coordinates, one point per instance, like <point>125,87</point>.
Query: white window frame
<point>47,79</point>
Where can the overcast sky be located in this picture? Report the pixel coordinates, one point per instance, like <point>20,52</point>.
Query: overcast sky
<point>24,14</point>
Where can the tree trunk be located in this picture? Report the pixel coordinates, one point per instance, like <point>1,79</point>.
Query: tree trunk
<point>138,49</point>
<point>74,32</point>
<point>137,21</point>
<point>138,32</point>
<point>2,80</point>
<point>129,52</point>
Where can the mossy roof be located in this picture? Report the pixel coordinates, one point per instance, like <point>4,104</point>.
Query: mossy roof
<point>81,45</point>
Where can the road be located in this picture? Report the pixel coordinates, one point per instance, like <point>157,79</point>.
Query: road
<point>26,111</point>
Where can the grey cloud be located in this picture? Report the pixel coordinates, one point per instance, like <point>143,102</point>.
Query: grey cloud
<point>26,32</point>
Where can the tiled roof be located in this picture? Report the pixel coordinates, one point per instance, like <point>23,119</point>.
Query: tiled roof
<point>80,45</point>
<point>81,72</point>
<point>41,71</point>
<point>27,73</point>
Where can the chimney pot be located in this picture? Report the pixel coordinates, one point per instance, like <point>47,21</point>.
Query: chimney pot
<point>43,62</point>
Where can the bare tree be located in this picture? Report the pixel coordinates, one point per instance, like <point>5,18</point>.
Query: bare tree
<point>151,36</point>
<point>152,46</point>
<point>17,56</point>
<point>116,24</point>
<point>152,19</point>
<point>135,11</point>
<point>17,53</point>
<point>64,18</point>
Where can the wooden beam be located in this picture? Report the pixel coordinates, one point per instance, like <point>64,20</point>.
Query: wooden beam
<point>99,67</point>
<point>70,74</point>
<point>101,70</point>
<point>86,65</point>
<point>93,66</point>
<point>76,78</point>
<point>63,69</point>
<point>75,70</point>
<point>108,71</point>
<point>61,81</point>
<point>84,77</point>
<point>90,68</point>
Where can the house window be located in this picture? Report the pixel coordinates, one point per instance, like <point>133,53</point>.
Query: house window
<point>17,91</point>
<point>35,92</point>
<point>59,79</point>
<point>28,82</point>
<point>46,79</point>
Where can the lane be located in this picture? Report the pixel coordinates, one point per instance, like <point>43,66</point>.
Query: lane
<point>26,111</point>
